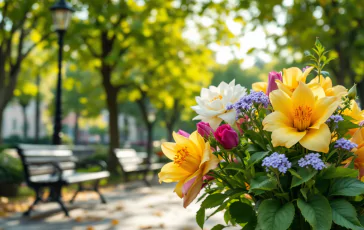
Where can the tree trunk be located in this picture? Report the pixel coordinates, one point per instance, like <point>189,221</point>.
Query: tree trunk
<point>149,141</point>
<point>37,111</point>
<point>113,128</point>
<point>169,127</point>
<point>25,122</point>
<point>76,129</point>
<point>1,124</point>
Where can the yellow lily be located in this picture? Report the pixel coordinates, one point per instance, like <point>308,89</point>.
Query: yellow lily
<point>358,138</point>
<point>300,118</point>
<point>291,78</point>
<point>355,113</point>
<point>192,159</point>
<point>260,86</point>
<point>326,84</point>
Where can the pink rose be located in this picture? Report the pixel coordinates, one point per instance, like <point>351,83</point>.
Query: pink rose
<point>204,129</point>
<point>183,133</point>
<point>226,136</point>
<point>272,85</point>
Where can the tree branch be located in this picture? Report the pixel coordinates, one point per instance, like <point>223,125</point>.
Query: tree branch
<point>90,48</point>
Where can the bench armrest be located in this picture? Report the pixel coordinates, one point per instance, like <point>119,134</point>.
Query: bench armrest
<point>90,163</point>
<point>57,169</point>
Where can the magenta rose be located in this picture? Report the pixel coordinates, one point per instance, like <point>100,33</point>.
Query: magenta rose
<point>183,133</point>
<point>226,136</point>
<point>204,129</point>
<point>272,85</point>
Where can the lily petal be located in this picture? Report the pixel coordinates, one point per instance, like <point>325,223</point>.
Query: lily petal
<point>324,108</point>
<point>179,187</point>
<point>281,102</point>
<point>260,86</point>
<point>169,149</point>
<point>287,137</point>
<point>275,121</point>
<point>193,191</point>
<point>317,139</point>
<point>303,96</point>
<point>171,172</point>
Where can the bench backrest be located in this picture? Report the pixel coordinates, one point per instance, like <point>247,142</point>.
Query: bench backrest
<point>128,158</point>
<point>37,160</point>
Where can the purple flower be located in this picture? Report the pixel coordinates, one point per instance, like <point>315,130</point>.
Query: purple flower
<point>226,136</point>
<point>277,161</point>
<point>344,144</point>
<point>183,133</point>
<point>305,68</point>
<point>204,129</point>
<point>247,102</point>
<point>335,118</point>
<point>312,159</point>
<point>272,77</point>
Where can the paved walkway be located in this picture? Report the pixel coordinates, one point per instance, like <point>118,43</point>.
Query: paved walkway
<point>133,207</point>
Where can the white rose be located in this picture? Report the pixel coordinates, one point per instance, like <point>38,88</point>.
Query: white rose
<point>212,103</point>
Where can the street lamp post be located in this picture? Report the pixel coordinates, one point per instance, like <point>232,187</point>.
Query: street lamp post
<point>61,14</point>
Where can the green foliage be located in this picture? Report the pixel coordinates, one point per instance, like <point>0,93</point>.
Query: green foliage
<point>242,213</point>
<point>305,173</point>
<point>200,217</point>
<point>273,215</point>
<point>337,172</point>
<point>344,214</point>
<point>346,187</point>
<point>213,200</point>
<point>11,169</point>
<point>316,211</point>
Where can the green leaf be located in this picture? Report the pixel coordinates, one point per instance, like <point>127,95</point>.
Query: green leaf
<point>344,214</point>
<point>263,183</point>
<point>227,216</point>
<point>200,217</point>
<point>316,211</point>
<point>347,187</point>
<point>305,173</point>
<point>213,200</point>
<point>241,212</point>
<point>218,227</point>
<point>325,73</point>
<point>251,50</point>
<point>256,157</point>
<point>337,172</point>
<point>304,192</point>
<point>273,216</point>
<point>294,173</point>
<point>236,167</point>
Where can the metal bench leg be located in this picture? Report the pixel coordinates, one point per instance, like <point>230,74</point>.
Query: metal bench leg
<point>56,195</point>
<point>145,179</point>
<point>80,188</point>
<point>96,189</point>
<point>38,197</point>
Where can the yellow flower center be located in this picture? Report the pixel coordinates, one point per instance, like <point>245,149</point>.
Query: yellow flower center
<point>219,97</point>
<point>302,117</point>
<point>181,155</point>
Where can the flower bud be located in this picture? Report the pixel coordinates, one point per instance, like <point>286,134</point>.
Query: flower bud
<point>352,92</point>
<point>227,136</point>
<point>204,129</point>
<point>272,85</point>
<point>183,133</point>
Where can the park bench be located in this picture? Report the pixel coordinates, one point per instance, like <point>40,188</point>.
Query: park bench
<point>131,163</point>
<point>53,167</point>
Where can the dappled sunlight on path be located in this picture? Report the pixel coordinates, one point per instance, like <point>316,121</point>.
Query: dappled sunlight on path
<point>130,207</point>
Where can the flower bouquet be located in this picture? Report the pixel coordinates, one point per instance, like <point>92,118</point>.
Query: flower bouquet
<point>288,154</point>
